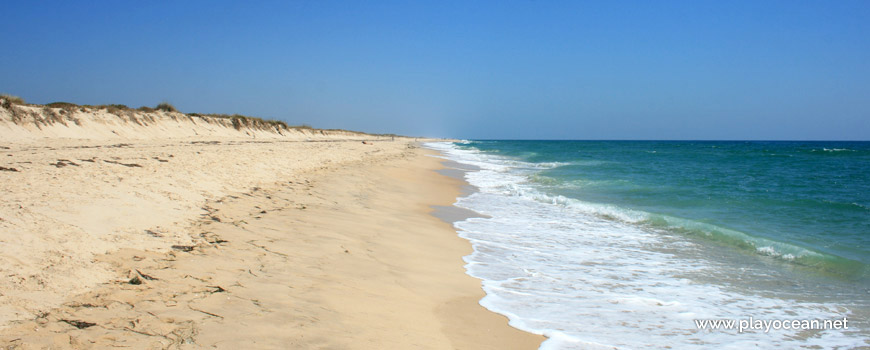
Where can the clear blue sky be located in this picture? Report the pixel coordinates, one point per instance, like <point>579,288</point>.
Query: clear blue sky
<point>467,69</point>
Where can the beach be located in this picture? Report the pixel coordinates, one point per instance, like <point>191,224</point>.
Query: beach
<point>235,238</point>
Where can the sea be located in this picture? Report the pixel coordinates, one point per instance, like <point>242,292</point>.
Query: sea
<point>630,244</point>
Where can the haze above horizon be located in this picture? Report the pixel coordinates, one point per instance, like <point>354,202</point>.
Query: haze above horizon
<point>681,70</point>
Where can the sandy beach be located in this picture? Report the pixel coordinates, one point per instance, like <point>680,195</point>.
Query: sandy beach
<point>569,175</point>
<point>234,238</point>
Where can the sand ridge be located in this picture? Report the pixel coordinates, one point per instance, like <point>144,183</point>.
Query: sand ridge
<point>22,123</point>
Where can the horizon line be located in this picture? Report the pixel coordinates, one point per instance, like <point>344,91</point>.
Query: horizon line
<point>670,140</point>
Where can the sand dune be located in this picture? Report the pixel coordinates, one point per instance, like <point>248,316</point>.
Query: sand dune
<point>23,123</point>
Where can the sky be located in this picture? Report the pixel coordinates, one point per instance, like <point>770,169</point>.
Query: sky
<point>732,70</point>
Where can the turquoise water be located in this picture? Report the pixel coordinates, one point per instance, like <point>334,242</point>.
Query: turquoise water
<point>623,244</point>
<point>807,203</point>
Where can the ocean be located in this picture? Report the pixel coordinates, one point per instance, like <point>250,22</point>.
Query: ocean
<point>628,244</point>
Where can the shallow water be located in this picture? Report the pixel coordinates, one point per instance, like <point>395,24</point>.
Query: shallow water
<point>627,243</point>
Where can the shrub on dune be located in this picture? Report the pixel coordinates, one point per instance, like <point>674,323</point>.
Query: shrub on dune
<point>9,100</point>
<point>166,107</point>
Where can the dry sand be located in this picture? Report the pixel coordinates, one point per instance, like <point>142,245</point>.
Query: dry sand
<point>232,241</point>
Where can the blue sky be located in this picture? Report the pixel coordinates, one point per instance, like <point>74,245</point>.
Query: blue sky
<point>466,69</point>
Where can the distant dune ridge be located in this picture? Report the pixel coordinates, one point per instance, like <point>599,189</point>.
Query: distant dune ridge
<point>20,122</point>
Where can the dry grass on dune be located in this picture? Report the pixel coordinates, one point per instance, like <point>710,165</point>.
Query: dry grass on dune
<point>67,113</point>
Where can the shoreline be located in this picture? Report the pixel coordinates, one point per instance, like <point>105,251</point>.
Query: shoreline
<point>540,248</point>
<point>322,260</point>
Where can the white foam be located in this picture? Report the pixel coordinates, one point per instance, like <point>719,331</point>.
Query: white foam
<point>587,282</point>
